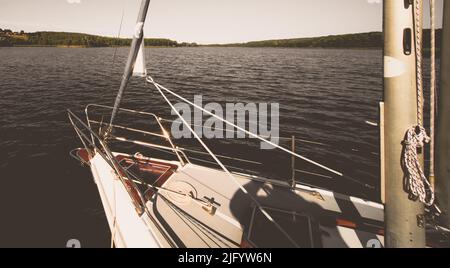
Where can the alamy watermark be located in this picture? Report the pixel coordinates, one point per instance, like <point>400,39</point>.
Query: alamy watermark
<point>258,118</point>
<point>73,243</point>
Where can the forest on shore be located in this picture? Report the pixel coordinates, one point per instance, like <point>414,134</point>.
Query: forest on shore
<point>65,39</point>
<point>359,40</point>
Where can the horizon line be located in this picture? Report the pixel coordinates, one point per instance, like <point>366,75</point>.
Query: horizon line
<point>200,44</point>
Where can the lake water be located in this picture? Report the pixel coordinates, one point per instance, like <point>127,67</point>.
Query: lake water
<point>47,198</point>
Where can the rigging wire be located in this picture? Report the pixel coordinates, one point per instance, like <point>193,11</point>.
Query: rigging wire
<point>230,175</point>
<point>162,88</point>
<point>113,234</point>
<point>118,36</point>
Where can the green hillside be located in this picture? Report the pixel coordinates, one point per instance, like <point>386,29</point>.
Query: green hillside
<point>360,40</point>
<point>9,38</point>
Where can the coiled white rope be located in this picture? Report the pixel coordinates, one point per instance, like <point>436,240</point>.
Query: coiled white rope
<point>416,184</point>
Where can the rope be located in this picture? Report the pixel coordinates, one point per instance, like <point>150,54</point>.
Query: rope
<point>416,184</point>
<point>418,29</point>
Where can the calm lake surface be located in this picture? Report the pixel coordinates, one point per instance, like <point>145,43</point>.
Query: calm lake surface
<point>47,198</point>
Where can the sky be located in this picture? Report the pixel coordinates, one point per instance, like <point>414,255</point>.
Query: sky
<point>201,21</point>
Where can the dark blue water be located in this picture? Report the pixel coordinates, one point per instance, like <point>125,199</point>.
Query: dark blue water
<point>47,198</point>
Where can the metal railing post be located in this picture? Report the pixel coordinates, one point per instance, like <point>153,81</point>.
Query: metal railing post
<point>293,182</point>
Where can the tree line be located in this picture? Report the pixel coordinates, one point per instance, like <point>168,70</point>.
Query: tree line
<point>9,38</point>
<point>361,40</point>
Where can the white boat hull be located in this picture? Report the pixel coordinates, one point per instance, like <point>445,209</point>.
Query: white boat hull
<point>128,229</point>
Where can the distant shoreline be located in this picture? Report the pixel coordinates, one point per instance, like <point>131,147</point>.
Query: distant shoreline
<point>199,46</point>
<point>65,46</point>
<point>370,40</point>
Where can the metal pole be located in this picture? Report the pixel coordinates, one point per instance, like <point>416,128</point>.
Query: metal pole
<point>400,104</point>
<point>382,156</point>
<point>443,124</point>
<point>293,182</point>
<point>135,45</point>
<point>432,91</point>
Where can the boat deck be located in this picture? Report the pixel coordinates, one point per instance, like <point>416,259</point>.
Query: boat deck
<point>214,212</point>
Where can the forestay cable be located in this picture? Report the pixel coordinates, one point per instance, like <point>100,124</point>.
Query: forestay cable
<point>114,229</point>
<point>258,205</point>
<point>150,80</point>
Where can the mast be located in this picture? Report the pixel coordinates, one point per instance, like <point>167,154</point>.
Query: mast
<point>402,215</point>
<point>136,44</point>
<point>443,129</point>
